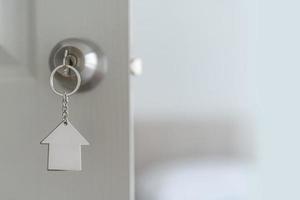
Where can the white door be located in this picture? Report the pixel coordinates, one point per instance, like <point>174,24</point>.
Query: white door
<point>29,110</point>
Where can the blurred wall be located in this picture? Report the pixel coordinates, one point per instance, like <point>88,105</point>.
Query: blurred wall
<point>195,98</point>
<point>278,84</point>
<point>218,74</point>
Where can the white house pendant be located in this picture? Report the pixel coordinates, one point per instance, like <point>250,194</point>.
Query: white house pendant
<point>65,148</point>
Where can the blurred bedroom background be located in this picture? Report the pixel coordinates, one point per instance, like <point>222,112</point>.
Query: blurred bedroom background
<point>208,110</point>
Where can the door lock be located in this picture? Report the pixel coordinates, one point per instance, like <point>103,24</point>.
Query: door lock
<point>85,56</point>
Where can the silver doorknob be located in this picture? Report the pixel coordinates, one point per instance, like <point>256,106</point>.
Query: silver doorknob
<point>83,55</point>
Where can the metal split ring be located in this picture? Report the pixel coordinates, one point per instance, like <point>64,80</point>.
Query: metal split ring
<point>52,82</point>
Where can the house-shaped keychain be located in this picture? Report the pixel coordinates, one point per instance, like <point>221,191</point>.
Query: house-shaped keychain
<point>65,148</point>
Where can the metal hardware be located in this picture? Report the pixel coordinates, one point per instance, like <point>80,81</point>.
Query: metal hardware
<point>67,69</point>
<point>52,80</point>
<point>85,56</point>
<point>65,108</point>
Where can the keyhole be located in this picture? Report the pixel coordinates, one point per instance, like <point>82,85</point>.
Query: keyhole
<point>72,61</point>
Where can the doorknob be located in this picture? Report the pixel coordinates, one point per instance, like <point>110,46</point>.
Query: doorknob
<point>83,55</point>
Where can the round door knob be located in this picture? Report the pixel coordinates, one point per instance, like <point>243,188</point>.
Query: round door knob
<point>85,56</point>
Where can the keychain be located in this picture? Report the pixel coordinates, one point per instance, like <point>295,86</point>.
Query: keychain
<point>65,141</point>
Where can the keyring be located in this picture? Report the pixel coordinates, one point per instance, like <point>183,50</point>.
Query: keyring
<point>52,77</point>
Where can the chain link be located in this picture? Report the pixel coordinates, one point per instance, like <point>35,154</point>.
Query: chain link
<point>65,107</point>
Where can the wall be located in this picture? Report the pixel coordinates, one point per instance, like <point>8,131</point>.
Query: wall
<point>195,87</point>
<point>220,79</point>
<point>277,80</point>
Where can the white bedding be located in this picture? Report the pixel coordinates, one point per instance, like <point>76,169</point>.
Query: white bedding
<point>194,180</point>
